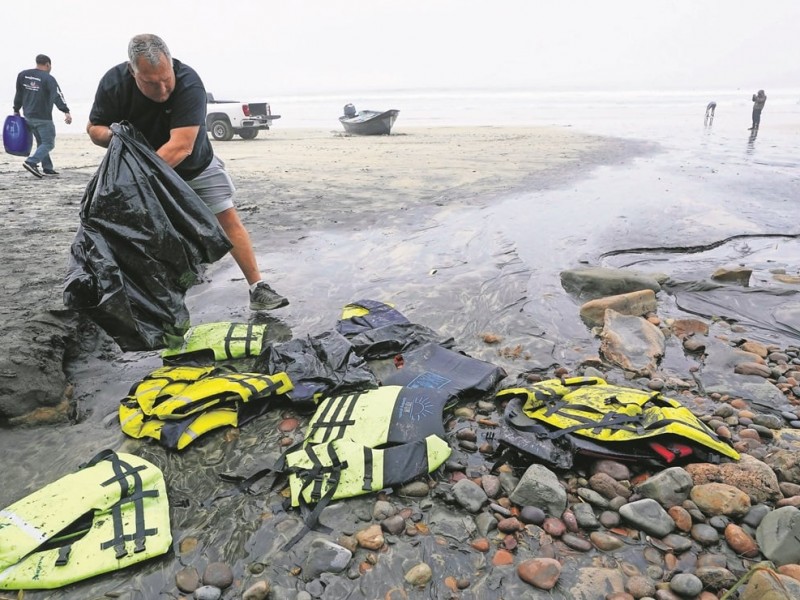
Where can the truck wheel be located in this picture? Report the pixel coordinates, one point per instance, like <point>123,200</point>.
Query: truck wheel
<point>248,134</point>
<point>221,130</point>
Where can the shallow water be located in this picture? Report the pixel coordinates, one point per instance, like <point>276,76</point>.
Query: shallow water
<point>461,272</point>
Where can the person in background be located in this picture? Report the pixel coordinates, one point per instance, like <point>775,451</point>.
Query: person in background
<point>37,92</point>
<point>710,108</point>
<point>165,100</point>
<point>759,100</point>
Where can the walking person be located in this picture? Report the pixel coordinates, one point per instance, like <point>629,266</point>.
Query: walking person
<point>165,100</point>
<point>37,92</point>
<point>759,100</point>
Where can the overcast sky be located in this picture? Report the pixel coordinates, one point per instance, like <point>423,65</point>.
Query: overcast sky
<point>318,46</point>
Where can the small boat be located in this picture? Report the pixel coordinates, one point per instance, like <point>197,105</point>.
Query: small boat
<point>367,122</point>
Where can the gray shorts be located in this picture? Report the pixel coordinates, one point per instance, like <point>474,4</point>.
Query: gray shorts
<point>214,186</point>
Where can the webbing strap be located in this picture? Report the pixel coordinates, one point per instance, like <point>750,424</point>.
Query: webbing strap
<point>338,403</point>
<point>311,519</point>
<point>368,467</point>
<point>612,420</point>
<point>248,338</point>
<point>122,470</point>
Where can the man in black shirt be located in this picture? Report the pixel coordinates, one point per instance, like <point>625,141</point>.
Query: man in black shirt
<point>36,93</point>
<point>166,101</point>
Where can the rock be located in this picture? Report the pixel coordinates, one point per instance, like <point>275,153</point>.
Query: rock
<point>554,527</point>
<point>613,468</point>
<point>502,557</point>
<point>383,510</point>
<point>415,489</point>
<point>639,586</point>
<point>218,574</point>
<point>597,282</point>
<point>607,486</point>
<point>740,541</point>
<point>704,534</point>
<point>752,476</point>
<point>669,488</point>
<point>785,464</point>
<point>720,499</point>
<point>187,579</point>
<point>258,591</point>
<point>766,584</point>
<point>649,516</point>
<point>686,584</point>
<point>632,343</point>
<point>542,573</point>
<point>684,328</point>
<point>34,389</point>
<point>532,514</point>
<point>592,497</point>
<point>469,495</point>
<point>637,304</point>
<point>778,535</point>
<point>715,578</point>
<point>678,543</point>
<point>394,525</point>
<point>737,275</point>
<point>539,486</point>
<point>585,517</point>
<point>481,545</point>
<point>419,575</point>
<point>576,542</point>
<point>682,518</point>
<point>207,592</point>
<point>491,485</point>
<point>325,557</point>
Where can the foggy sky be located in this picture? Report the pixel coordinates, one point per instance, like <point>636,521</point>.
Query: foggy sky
<point>326,46</point>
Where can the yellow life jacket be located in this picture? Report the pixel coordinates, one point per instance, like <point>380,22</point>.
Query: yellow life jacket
<point>176,405</point>
<point>47,542</point>
<point>218,341</point>
<point>590,407</point>
<point>361,443</point>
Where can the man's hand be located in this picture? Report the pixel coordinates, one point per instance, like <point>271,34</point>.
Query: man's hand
<point>67,118</point>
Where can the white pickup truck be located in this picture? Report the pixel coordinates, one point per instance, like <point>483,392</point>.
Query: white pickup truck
<point>224,118</point>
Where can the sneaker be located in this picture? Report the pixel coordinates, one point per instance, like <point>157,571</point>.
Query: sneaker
<point>49,172</point>
<point>33,169</point>
<point>264,297</point>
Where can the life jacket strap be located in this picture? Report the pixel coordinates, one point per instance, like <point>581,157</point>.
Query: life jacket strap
<point>338,403</point>
<point>248,337</point>
<point>122,471</point>
<point>311,519</point>
<point>368,468</point>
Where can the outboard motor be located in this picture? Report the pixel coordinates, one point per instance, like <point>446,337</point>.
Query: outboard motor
<point>349,110</point>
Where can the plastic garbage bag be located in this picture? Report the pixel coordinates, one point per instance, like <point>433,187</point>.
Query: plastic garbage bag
<point>322,365</point>
<point>143,237</point>
<point>433,366</point>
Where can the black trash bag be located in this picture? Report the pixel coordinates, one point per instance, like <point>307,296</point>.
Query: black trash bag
<point>433,366</point>
<point>143,237</point>
<point>383,331</point>
<point>322,365</point>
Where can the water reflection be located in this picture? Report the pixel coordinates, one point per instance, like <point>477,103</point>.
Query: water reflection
<point>751,140</point>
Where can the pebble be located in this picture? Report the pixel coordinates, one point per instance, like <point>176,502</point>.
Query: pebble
<point>532,514</point>
<point>686,584</point>
<point>218,574</point>
<point>542,573</point>
<point>207,592</point>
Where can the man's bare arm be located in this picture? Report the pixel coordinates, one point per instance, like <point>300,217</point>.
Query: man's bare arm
<point>99,134</point>
<point>179,146</point>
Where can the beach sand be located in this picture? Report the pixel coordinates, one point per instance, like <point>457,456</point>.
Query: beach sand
<point>289,182</point>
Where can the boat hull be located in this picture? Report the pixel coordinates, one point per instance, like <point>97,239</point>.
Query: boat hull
<point>370,122</point>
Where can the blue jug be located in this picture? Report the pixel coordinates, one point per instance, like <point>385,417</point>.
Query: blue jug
<point>17,136</point>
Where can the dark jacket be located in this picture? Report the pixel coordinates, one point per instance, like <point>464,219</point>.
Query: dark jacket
<point>37,91</point>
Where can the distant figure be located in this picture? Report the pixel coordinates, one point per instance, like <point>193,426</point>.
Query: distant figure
<point>759,100</point>
<point>712,106</point>
<point>36,93</point>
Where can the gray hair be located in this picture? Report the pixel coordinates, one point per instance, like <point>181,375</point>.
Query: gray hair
<point>148,46</point>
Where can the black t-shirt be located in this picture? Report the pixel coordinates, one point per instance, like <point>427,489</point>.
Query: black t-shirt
<point>119,99</point>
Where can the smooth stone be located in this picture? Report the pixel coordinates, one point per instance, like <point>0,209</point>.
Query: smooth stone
<point>686,584</point>
<point>207,592</point>
<point>542,573</point>
<point>532,514</point>
<point>218,574</point>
